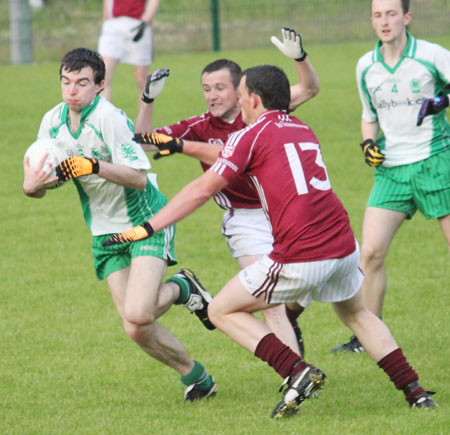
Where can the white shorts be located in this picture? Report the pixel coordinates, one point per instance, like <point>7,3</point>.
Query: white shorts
<point>325,281</point>
<point>247,231</point>
<point>116,41</point>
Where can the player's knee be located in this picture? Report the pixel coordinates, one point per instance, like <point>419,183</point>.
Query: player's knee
<point>137,332</point>
<point>137,316</point>
<point>275,314</point>
<point>214,312</point>
<point>372,255</point>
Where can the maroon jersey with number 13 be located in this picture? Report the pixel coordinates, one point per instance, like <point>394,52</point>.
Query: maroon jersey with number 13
<point>281,156</point>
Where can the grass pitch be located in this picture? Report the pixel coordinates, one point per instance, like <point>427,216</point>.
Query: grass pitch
<point>66,367</point>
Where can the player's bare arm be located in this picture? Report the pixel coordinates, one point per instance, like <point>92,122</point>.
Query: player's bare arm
<point>308,86</point>
<point>369,130</point>
<point>153,87</point>
<point>167,145</point>
<point>191,197</point>
<point>77,166</point>
<point>205,152</point>
<point>123,175</point>
<point>150,11</point>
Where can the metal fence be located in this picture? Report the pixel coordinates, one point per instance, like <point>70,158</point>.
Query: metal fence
<point>183,26</point>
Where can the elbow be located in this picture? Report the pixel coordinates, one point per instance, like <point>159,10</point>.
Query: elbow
<point>141,181</point>
<point>142,185</point>
<point>312,90</point>
<point>315,89</point>
<point>204,195</point>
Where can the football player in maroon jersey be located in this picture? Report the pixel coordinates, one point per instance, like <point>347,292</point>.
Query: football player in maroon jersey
<point>315,255</point>
<point>245,226</point>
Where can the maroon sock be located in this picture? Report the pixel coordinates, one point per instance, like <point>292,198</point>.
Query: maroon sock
<point>279,356</point>
<point>398,369</point>
<point>292,315</point>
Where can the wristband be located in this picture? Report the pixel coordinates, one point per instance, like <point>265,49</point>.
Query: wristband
<point>302,58</point>
<point>148,228</point>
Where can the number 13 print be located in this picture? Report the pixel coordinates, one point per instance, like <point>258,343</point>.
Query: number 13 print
<point>297,170</point>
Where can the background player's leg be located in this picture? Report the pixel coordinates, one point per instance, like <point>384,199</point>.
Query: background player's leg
<point>110,67</point>
<point>379,228</point>
<point>444,222</point>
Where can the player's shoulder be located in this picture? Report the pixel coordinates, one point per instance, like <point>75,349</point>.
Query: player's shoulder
<point>55,113</point>
<point>105,112</point>
<point>105,107</point>
<point>366,60</point>
<point>196,119</point>
<point>422,49</point>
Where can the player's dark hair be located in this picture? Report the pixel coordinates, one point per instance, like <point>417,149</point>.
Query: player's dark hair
<point>405,5</point>
<point>271,84</point>
<point>80,58</point>
<point>233,67</point>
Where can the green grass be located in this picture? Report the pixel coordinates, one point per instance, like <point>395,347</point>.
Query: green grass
<point>66,366</point>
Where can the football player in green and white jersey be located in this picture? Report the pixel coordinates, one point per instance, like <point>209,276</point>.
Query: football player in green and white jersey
<point>401,83</point>
<point>109,171</point>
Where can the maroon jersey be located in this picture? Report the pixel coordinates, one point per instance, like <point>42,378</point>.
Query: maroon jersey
<point>128,8</point>
<point>281,155</point>
<point>208,128</point>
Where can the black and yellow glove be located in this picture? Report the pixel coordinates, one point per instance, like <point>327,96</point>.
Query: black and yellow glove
<point>372,153</point>
<point>167,145</point>
<point>132,235</point>
<point>76,166</point>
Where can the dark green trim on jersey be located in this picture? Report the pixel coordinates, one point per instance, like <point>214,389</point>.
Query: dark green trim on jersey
<point>410,51</point>
<point>85,112</point>
<point>366,91</point>
<point>85,205</point>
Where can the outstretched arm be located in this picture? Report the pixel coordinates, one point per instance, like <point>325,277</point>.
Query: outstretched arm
<point>153,87</point>
<point>167,145</point>
<point>308,85</point>
<point>191,197</point>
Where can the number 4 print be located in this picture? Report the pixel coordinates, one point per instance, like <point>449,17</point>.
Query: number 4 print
<point>297,169</point>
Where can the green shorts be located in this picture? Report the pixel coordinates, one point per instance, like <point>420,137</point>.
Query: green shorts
<point>113,258</point>
<point>423,186</point>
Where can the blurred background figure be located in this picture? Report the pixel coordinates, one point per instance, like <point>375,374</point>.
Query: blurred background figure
<point>36,4</point>
<point>127,37</point>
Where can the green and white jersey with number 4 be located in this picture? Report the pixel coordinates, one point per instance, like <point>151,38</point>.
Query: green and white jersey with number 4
<point>393,96</point>
<point>105,133</point>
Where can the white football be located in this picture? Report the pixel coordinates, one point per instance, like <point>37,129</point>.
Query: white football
<point>57,152</point>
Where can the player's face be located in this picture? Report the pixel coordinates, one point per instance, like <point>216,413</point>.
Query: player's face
<point>245,99</point>
<point>78,88</point>
<point>220,95</point>
<point>388,20</point>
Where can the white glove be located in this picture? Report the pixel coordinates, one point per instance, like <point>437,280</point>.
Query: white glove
<point>154,85</point>
<point>291,45</point>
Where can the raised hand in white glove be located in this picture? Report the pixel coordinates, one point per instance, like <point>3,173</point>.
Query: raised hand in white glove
<point>291,45</point>
<point>154,85</point>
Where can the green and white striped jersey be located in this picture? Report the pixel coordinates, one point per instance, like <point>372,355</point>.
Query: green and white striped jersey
<point>105,133</point>
<point>393,96</point>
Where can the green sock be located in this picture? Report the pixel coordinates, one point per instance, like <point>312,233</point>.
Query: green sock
<point>185,289</point>
<point>198,375</point>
